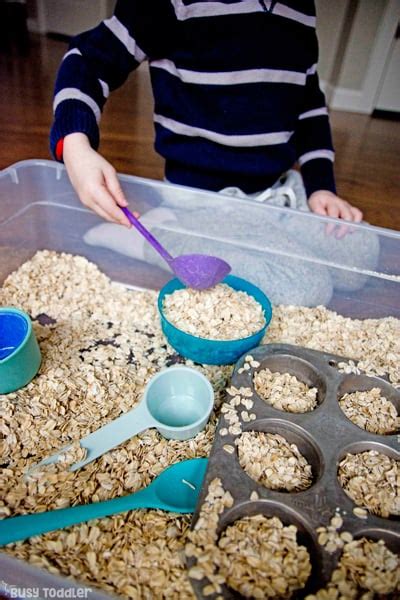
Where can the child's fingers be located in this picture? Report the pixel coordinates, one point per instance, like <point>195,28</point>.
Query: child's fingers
<point>115,189</point>
<point>341,231</point>
<point>106,202</point>
<point>345,212</point>
<point>102,213</point>
<point>113,185</point>
<point>357,214</point>
<point>332,211</point>
<point>350,213</point>
<point>321,209</point>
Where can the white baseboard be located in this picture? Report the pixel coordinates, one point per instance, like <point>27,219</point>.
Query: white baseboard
<point>349,100</point>
<point>328,90</point>
<point>346,99</point>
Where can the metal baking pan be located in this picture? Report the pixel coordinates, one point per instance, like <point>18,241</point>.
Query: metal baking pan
<point>323,436</point>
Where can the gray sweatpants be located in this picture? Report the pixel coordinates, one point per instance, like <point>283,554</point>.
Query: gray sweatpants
<point>285,253</point>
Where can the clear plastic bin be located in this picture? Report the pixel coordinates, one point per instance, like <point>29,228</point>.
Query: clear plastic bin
<point>40,210</point>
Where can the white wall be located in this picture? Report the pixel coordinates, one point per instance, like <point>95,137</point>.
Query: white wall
<point>355,39</point>
<point>67,17</point>
<point>361,43</point>
<point>330,23</point>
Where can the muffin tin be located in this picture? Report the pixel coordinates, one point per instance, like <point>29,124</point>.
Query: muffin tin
<point>323,436</point>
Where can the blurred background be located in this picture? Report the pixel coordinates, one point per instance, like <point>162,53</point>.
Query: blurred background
<point>359,69</point>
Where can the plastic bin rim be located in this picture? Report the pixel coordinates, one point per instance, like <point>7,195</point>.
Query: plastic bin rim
<point>38,162</point>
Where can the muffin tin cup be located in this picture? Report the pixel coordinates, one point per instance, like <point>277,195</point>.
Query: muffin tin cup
<point>324,436</point>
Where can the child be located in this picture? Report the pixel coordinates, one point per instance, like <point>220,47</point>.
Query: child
<point>237,103</point>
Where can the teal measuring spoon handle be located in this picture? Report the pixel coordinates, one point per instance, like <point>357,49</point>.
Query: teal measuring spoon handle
<point>106,438</point>
<point>115,433</point>
<point>25,526</point>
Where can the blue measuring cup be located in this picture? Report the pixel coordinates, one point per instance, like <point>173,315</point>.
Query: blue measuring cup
<point>20,356</point>
<point>177,402</point>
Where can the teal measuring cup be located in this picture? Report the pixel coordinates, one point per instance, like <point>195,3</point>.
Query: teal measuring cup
<point>20,356</point>
<point>176,489</point>
<point>177,402</point>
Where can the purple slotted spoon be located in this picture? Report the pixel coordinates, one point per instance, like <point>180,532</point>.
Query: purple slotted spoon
<point>198,271</point>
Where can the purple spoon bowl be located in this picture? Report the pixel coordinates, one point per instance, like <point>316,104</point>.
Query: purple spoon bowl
<point>198,271</point>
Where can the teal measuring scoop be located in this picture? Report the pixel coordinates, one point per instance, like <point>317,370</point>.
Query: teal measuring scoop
<point>176,489</point>
<point>177,401</point>
<point>19,351</point>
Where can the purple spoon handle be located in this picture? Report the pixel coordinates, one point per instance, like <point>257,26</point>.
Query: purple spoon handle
<point>147,235</point>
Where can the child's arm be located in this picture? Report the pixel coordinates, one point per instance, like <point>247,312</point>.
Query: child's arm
<point>99,61</point>
<point>316,155</point>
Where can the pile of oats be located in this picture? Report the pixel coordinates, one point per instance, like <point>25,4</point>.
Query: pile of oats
<point>330,538</point>
<point>371,411</point>
<point>284,391</point>
<point>219,313</point>
<point>373,343</point>
<point>348,367</point>
<point>261,558</point>
<point>256,556</point>
<point>100,344</point>
<point>237,408</point>
<point>202,540</point>
<point>365,568</point>
<point>272,461</point>
<point>372,480</point>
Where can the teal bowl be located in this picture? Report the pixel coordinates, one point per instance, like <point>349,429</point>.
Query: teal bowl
<point>20,356</point>
<point>213,352</point>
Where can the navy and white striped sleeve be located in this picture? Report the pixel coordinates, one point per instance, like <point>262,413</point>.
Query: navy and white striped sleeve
<point>98,61</point>
<point>314,147</point>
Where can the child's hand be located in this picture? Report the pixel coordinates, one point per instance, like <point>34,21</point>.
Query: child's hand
<point>328,204</point>
<point>94,179</point>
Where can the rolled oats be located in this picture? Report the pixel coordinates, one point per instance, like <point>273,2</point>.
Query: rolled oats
<point>100,345</point>
<point>365,568</point>
<point>257,556</point>
<point>372,480</point>
<point>329,536</point>
<point>272,461</point>
<point>258,553</point>
<point>218,313</point>
<point>373,343</point>
<point>371,411</point>
<point>284,391</point>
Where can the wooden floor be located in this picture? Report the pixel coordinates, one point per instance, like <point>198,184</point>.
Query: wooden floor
<point>367,149</point>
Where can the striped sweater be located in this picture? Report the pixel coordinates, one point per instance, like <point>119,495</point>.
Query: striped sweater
<point>236,92</point>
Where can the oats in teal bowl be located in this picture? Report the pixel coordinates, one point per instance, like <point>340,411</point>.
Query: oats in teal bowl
<point>215,326</point>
